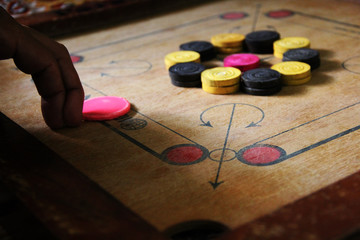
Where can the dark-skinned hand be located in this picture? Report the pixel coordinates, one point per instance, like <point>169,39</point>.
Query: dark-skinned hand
<point>51,68</point>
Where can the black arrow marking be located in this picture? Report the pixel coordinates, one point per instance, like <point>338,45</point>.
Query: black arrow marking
<point>206,124</point>
<point>252,124</point>
<point>216,183</point>
<point>104,75</point>
<point>271,27</point>
<point>257,10</point>
<point>256,124</point>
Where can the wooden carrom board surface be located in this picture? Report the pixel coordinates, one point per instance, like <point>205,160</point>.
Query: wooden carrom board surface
<point>182,154</point>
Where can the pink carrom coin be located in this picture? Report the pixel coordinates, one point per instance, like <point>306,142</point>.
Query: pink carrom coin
<point>105,108</point>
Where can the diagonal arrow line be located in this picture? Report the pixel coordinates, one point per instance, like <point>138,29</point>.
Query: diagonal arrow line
<point>257,11</point>
<point>217,183</point>
<point>306,123</point>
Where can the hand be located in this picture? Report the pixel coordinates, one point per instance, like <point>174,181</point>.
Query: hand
<point>51,68</point>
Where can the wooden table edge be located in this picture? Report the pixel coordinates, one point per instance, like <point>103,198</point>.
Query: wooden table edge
<point>72,206</point>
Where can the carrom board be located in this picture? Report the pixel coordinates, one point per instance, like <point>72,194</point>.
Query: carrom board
<point>59,17</point>
<point>183,155</point>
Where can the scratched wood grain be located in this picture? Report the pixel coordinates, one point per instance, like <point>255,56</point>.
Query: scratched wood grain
<point>316,124</point>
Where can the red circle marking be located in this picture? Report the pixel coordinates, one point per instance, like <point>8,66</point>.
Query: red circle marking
<point>76,59</point>
<point>184,154</point>
<point>280,13</point>
<point>233,15</point>
<point>261,155</point>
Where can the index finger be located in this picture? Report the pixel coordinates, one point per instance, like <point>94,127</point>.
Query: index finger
<point>72,112</point>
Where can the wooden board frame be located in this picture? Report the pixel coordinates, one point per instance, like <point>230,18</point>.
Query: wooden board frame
<point>49,187</point>
<point>99,14</point>
<point>331,213</point>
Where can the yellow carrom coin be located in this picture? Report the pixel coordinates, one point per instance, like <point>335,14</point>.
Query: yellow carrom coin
<point>284,44</point>
<point>296,82</point>
<point>221,90</point>
<point>220,76</point>
<point>227,40</point>
<point>229,50</point>
<point>293,70</point>
<point>181,57</point>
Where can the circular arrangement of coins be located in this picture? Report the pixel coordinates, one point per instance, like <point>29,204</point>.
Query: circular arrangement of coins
<point>241,69</point>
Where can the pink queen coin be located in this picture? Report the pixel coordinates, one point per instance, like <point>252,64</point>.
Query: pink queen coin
<point>105,108</point>
<point>242,61</point>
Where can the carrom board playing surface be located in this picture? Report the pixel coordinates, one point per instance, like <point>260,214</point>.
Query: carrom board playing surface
<point>183,155</point>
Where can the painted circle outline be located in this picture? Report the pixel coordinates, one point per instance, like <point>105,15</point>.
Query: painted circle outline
<point>347,60</point>
<point>129,122</point>
<point>76,58</point>
<point>280,159</point>
<point>285,13</point>
<point>242,15</point>
<point>220,149</point>
<point>202,158</point>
